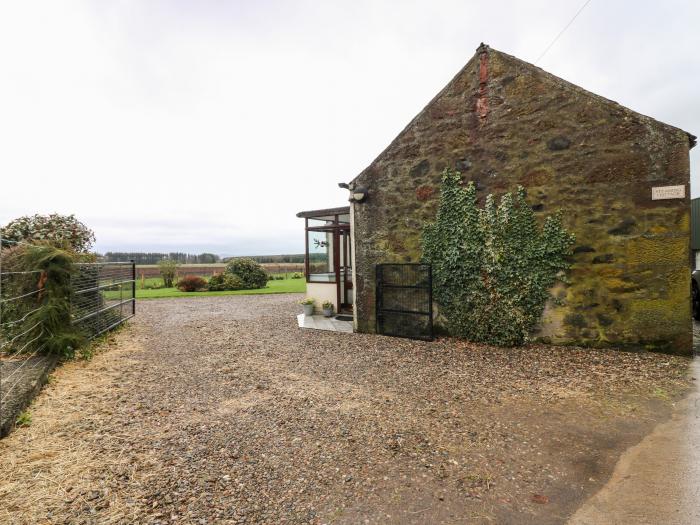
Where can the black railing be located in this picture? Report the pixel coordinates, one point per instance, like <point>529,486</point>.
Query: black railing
<point>405,300</point>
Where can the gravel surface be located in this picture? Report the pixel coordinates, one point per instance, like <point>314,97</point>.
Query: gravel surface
<point>221,410</point>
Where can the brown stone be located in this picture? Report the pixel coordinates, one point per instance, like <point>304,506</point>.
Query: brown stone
<point>423,193</point>
<point>503,122</point>
<point>558,143</point>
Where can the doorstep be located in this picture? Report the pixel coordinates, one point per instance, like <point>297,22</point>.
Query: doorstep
<point>320,322</point>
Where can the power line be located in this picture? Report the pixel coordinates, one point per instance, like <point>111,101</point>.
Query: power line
<point>562,31</point>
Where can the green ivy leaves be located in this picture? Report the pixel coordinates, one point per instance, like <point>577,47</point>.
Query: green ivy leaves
<point>493,267</point>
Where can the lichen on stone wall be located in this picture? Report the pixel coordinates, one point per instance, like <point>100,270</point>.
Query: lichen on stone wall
<point>574,151</point>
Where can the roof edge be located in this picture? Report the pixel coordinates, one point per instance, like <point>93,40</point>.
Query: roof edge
<point>485,48</point>
<point>341,210</point>
<point>570,85</point>
<point>482,48</point>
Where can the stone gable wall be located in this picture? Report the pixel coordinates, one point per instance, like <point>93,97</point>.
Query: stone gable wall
<point>502,122</point>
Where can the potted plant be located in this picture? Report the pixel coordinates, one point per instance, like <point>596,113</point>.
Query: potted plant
<point>327,308</point>
<point>308,305</point>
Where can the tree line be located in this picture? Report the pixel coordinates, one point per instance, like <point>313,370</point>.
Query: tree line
<point>285,258</point>
<point>201,258</point>
<point>156,257</point>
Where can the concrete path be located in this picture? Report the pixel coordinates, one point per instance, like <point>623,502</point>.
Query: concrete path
<point>658,480</point>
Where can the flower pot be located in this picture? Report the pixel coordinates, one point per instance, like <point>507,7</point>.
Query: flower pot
<point>328,312</point>
<point>308,309</point>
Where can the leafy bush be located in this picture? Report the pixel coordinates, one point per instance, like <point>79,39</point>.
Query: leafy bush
<point>191,283</point>
<point>48,325</point>
<point>250,273</point>
<point>493,268</point>
<point>297,275</point>
<point>64,231</point>
<point>225,281</point>
<point>15,284</point>
<point>168,271</point>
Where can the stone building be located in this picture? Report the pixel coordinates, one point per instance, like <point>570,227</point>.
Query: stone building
<point>620,178</point>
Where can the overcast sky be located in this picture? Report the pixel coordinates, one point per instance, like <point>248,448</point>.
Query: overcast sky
<point>206,125</point>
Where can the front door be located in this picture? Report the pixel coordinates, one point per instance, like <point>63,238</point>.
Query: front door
<point>345,277</point>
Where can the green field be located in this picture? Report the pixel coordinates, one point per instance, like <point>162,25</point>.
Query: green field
<point>280,286</point>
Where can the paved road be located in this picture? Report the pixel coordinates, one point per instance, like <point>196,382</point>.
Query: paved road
<point>658,480</point>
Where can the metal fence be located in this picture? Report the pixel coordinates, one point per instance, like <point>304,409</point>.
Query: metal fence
<point>20,297</point>
<point>104,296</point>
<point>405,300</point>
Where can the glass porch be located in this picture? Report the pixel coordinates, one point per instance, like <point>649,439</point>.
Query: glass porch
<point>328,257</point>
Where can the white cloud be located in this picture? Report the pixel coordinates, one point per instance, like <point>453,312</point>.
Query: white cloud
<point>207,125</point>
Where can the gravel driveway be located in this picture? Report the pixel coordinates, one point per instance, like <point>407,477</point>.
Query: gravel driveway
<point>221,410</point>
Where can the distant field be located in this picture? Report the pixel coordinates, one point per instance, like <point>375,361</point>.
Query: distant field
<point>207,270</point>
<point>281,286</point>
<point>144,292</point>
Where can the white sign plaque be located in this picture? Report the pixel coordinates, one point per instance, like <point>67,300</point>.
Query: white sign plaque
<point>667,192</point>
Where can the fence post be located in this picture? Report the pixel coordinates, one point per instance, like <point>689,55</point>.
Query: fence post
<point>99,292</point>
<point>70,294</point>
<point>133,287</point>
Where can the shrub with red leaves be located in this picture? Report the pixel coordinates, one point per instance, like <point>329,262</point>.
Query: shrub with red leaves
<point>191,283</point>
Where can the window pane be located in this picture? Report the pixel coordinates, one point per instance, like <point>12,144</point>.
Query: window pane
<point>315,223</point>
<point>321,257</point>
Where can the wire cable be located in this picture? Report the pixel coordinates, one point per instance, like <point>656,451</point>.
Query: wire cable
<point>10,323</point>
<point>20,296</point>
<point>28,358</point>
<point>562,32</point>
<point>9,341</point>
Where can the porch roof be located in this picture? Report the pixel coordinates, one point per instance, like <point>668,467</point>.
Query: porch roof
<point>343,210</point>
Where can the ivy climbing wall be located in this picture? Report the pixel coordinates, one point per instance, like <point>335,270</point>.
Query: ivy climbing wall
<point>503,122</point>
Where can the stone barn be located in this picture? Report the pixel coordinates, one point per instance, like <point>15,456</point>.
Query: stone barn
<point>620,178</point>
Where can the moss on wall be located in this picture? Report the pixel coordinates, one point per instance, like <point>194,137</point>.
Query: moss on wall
<point>590,157</point>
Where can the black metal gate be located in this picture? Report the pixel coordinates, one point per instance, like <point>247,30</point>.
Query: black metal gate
<point>405,300</point>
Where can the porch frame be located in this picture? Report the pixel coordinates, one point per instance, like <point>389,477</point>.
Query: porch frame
<point>336,228</point>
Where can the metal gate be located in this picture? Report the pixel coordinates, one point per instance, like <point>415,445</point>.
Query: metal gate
<point>104,296</point>
<point>405,300</point>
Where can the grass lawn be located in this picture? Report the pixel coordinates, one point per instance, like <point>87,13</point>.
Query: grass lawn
<point>281,286</point>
